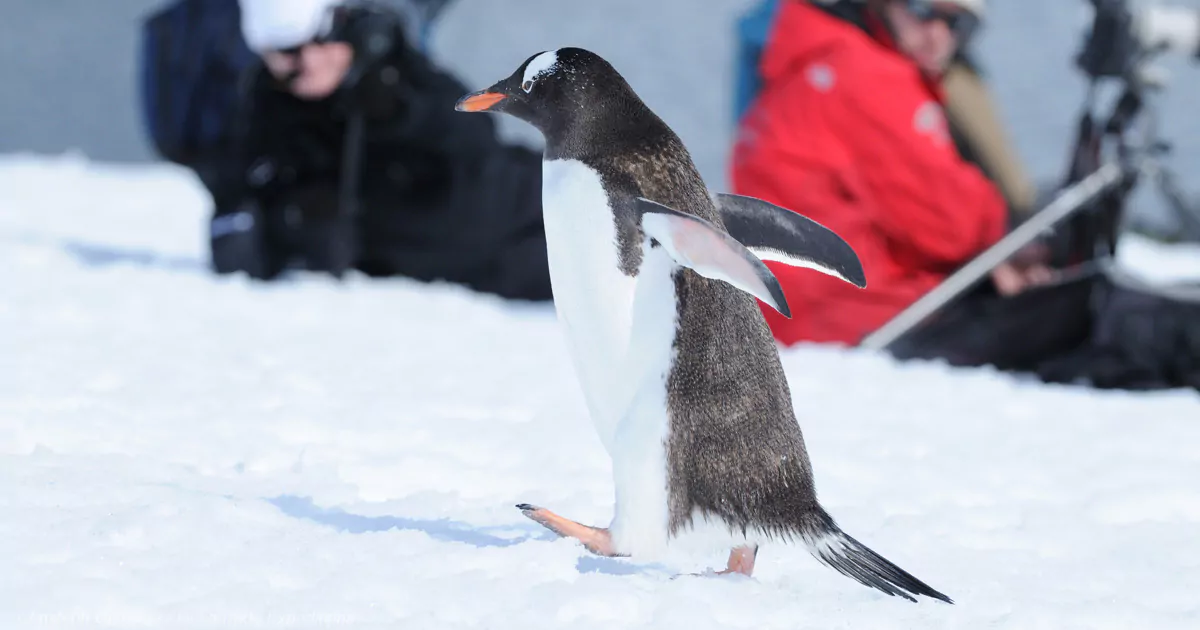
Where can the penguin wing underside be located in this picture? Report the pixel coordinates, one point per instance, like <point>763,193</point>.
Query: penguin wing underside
<point>781,235</point>
<point>711,252</point>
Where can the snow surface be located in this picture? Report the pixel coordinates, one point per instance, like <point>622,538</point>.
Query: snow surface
<point>184,451</point>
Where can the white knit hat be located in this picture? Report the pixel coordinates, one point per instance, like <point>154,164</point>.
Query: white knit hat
<point>278,24</point>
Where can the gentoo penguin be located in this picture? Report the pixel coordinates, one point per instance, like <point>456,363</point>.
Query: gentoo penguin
<point>654,282</point>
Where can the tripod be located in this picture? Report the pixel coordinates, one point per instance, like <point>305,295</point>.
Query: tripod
<point>1108,161</point>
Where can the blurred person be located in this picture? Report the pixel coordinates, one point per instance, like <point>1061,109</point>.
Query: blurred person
<point>849,127</point>
<point>979,134</point>
<point>346,153</point>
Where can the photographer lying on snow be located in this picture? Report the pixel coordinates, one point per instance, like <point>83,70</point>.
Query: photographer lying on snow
<point>849,129</point>
<point>417,190</point>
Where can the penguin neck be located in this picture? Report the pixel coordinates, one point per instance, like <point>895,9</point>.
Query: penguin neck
<point>612,127</point>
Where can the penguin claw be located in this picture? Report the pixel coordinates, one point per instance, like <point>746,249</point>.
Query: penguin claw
<point>546,518</point>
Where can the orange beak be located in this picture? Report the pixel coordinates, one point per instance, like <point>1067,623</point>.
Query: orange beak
<point>478,101</point>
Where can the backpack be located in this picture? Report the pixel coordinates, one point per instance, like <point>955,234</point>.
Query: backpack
<point>191,62</point>
<point>753,27</point>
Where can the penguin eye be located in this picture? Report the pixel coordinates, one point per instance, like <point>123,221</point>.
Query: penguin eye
<point>527,86</point>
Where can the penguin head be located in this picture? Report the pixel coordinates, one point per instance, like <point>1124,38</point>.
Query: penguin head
<point>554,91</point>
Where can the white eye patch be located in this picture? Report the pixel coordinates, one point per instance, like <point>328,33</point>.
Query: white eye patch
<point>544,63</point>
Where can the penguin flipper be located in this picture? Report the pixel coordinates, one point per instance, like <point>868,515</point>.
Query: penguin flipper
<point>781,235</point>
<point>709,251</point>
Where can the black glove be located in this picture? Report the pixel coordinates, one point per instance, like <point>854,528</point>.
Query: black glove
<point>239,241</point>
<point>302,226</point>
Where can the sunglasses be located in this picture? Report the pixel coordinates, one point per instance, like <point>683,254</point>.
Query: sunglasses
<point>330,32</point>
<point>962,23</point>
<point>294,51</point>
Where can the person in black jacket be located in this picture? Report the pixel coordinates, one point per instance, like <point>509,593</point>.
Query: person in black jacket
<point>348,154</point>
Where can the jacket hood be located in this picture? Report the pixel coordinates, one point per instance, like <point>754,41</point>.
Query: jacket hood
<point>802,31</point>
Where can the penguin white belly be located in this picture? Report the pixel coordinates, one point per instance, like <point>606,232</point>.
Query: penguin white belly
<point>641,514</point>
<point>621,331</point>
<point>593,299</point>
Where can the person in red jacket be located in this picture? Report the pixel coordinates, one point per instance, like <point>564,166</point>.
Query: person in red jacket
<point>849,130</point>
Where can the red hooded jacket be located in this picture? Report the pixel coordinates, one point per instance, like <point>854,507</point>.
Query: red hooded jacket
<point>848,132</point>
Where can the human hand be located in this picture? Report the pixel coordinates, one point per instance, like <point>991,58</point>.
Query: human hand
<point>1027,268</point>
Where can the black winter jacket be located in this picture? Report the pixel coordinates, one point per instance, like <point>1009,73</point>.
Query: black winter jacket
<point>438,196</point>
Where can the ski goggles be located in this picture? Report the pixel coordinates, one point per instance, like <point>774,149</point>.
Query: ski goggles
<point>963,23</point>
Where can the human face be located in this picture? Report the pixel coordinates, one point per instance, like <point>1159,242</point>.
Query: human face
<point>928,32</point>
<point>313,71</point>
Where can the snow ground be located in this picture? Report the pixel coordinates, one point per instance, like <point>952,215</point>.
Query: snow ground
<point>184,451</point>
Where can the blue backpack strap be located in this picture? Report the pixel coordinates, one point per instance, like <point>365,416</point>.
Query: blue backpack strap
<point>753,27</point>
<point>191,61</point>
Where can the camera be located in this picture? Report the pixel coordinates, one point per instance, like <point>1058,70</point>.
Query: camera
<point>374,30</point>
<point>1122,37</point>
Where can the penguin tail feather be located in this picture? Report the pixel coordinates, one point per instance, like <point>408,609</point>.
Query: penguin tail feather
<point>841,552</point>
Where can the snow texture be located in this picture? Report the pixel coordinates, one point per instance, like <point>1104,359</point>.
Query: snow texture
<point>183,451</point>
